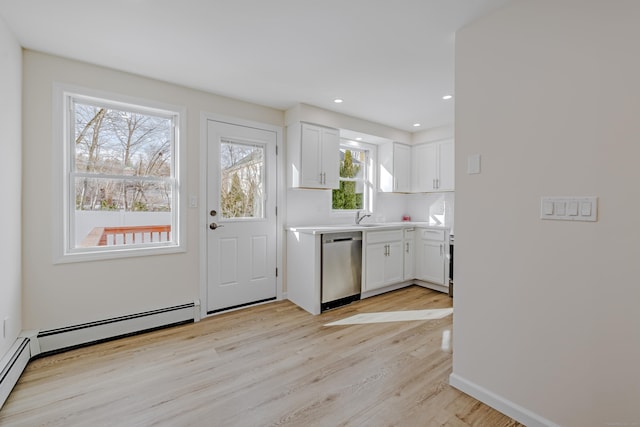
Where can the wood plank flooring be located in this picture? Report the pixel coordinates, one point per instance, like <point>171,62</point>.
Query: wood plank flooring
<point>270,365</point>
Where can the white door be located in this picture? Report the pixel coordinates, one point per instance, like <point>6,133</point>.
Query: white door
<point>241,211</point>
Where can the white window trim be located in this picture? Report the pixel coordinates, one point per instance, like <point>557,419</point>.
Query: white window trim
<point>61,157</point>
<point>371,171</point>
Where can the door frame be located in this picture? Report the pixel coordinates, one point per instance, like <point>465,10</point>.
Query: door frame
<point>203,223</point>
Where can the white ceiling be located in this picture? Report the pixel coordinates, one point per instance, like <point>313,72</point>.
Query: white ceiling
<point>390,60</point>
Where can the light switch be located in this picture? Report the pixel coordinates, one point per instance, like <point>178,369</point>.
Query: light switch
<point>572,208</point>
<point>569,208</point>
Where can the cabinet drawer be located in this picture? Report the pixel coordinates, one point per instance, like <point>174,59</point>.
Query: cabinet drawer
<point>430,234</point>
<point>383,236</point>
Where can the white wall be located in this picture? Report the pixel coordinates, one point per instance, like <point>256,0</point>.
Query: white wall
<point>548,312</point>
<point>10,176</point>
<point>69,294</point>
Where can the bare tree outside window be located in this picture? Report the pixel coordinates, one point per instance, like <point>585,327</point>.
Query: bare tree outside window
<point>121,177</point>
<point>121,159</point>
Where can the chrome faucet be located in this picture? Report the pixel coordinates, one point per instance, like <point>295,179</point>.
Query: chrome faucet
<point>359,217</point>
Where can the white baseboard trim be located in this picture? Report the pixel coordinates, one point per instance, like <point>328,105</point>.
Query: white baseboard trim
<point>12,365</point>
<point>499,403</point>
<point>433,286</point>
<point>56,340</point>
<point>384,290</point>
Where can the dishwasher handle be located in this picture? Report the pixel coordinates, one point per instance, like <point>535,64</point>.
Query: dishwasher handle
<point>342,239</point>
<point>328,238</point>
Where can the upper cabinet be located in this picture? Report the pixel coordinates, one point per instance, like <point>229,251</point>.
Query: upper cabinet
<point>395,167</point>
<point>433,166</point>
<point>420,168</point>
<point>313,156</point>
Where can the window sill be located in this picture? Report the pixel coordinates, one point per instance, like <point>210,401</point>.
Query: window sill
<point>121,253</point>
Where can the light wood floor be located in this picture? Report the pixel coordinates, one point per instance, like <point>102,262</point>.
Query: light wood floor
<point>271,365</point>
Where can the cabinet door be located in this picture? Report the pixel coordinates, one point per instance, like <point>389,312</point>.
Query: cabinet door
<point>331,158</point>
<point>394,263</point>
<point>394,174</point>
<point>430,261</point>
<point>311,152</point>
<point>409,260</point>
<point>446,160</point>
<point>425,167</point>
<point>402,168</point>
<point>375,266</point>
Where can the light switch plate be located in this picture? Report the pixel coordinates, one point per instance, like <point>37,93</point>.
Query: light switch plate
<point>569,208</point>
<point>473,164</point>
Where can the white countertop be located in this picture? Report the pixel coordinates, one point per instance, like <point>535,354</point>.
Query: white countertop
<point>332,228</point>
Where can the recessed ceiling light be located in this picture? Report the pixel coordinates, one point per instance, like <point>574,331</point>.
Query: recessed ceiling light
<point>446,97</point>
<point>338,101</point>
<point>416,125</point>
<point>359,138</point>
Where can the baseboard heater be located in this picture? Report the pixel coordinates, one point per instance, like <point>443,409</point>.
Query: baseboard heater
<point>12,365</point>
<point>70,337</point>
<point>35,344</point>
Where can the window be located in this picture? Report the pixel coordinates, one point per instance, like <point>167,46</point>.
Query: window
<point>120,179</point>
<point>355,190</point>
<point>242,180</point>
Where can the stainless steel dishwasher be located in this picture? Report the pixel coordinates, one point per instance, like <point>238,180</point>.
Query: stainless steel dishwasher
<point>341,269</point>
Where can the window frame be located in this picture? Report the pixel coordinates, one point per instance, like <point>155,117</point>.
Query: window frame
<point>64,250</point>
<point>368,178</point>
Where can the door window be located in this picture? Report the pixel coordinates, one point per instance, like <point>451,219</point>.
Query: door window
<point>241,180</point>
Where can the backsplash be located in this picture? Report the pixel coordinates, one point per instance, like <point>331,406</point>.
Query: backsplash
<point>313,207</point>
<point>435,208</point>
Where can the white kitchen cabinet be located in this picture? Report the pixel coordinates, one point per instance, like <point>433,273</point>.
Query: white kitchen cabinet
<point>384,259</point>
<point>409,254</point>
<point>395,167</point>
<point>304,268</point>
<point>433,166</point>
<point>313,156</point>
<point>431,256</point>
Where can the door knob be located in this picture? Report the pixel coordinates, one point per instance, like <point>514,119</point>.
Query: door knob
<point>213,212</point>
<point>213,226</point>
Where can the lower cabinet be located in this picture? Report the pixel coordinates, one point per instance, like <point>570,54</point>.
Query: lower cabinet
<point>384,259</point>
<point>390,257</point>
<point>430,256</point>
